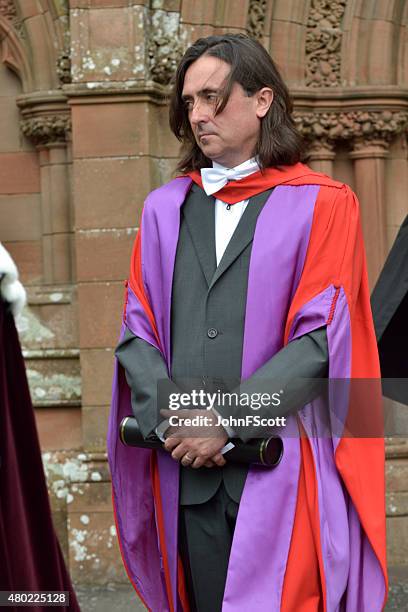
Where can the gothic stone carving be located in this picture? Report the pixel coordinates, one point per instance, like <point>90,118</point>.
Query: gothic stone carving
<point>256,18</point>
<point>361,127</point>
<point>9,11</point>
<point>164,53</point>
<point>64,67</point>
<point>165,47</point>
<point>45,130</point>
<point>323,42</point>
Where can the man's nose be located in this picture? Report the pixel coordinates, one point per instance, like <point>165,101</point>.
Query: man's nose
<point>199,113</point>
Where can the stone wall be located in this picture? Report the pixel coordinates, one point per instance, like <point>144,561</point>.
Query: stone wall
<point>84,137</point>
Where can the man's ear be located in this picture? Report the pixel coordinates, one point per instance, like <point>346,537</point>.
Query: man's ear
<point>264,99</point>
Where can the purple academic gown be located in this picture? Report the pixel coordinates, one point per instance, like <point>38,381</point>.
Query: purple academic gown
<point>266,514</point>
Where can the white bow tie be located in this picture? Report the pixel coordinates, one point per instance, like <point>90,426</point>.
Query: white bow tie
<point>216,178</point>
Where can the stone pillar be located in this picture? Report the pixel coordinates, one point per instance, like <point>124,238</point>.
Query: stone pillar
<point>396,184</point>
<point>397,501</point>
<point>321,156</point>
<point>123,55</point>
<point>369,157</point>
<point>118,157</point>
<point>48,331</point>
<point>111,177</point>
<point>56,214</point>
<point>46,122</point>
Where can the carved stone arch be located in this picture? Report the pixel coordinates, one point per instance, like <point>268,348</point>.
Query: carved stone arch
<point>402,58</point>
<point>372,42</point>
<point>256,19</point>
<point>43,32</point>
<point>286,33</point>
<point>349,40</point>
<point>14,55</point>
<point>59,12</point>
<point>386,30</point>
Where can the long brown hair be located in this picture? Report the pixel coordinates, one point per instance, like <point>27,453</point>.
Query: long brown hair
<point>279,142</point>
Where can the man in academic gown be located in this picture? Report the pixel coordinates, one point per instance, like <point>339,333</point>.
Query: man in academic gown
<point>390,311</point>
<point>249,267</point>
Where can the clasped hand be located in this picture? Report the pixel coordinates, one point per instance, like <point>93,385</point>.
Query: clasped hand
<point>197,445</point>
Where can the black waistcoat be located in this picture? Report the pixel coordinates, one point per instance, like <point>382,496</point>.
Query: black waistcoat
<point>207,320</point>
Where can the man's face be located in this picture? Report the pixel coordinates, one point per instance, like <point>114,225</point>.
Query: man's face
<point>230,137</point>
